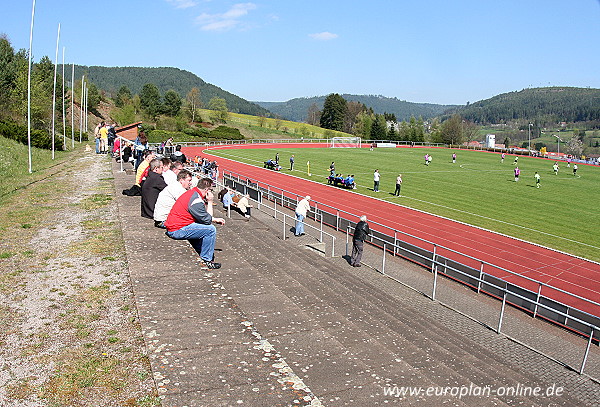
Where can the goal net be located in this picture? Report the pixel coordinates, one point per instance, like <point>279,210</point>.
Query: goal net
<point>345,142</point>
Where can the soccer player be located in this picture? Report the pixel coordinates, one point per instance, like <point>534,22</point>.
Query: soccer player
<point>517,173</point>
<point>555,167</point>
<point>574,169</point>
<point>537,180</point>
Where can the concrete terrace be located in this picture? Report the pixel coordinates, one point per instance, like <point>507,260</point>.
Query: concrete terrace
<point>282,325</point>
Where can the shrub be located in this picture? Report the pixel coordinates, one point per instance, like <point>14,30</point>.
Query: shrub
<point>226,133</point>
<point>39,138</point>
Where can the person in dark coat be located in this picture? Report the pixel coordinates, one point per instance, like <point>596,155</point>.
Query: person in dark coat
<point>151,187</point>
<point>360,234</point>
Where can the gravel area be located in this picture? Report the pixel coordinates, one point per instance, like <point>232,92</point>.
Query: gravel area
<point>70,332</point>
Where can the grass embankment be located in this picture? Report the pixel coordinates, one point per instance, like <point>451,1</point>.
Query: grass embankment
<point>478,189</point>
<point>71,335</point>
<point>268,128</point>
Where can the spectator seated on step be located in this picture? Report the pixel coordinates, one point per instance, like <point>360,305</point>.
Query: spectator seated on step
<point>142,172</point>
<point>243,206</point>
<point>151,187</point>
<point>227,198</point>
<point>170,174</point>
<point>168,196</point>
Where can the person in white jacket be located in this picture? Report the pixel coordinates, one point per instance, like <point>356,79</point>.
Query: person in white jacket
<point>302,209</point>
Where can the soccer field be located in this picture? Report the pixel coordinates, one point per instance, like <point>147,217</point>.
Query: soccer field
<point>478,189</point>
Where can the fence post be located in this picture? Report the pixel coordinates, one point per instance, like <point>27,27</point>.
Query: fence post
<point>433,258</point>
<point>502,311</point>
<point>347,238</point>
<point>587,350</point>
<point>321,213</point>
<point>435,276</point>
<point>537,300</point>
<point>480,278</point>
<point>383,259</point>
<point>395,243</point>
<point>283,226</point>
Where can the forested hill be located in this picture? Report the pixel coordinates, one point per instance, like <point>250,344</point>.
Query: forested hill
<point>111,79</point>
<point>296,109</point>
<point>541,105</point>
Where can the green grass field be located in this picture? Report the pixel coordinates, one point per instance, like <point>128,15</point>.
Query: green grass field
<point>478,189</point>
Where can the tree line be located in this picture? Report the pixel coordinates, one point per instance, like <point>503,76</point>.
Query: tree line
<point>355,118</point>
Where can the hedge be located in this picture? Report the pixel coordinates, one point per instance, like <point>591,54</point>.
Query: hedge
<point>39,138</point>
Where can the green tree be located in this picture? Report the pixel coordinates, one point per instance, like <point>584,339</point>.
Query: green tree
<point>364,122</point>
<point>123,96</point>
<point>378,129</point>
<point>94,97</point>
<point>452,130</point>
<point>150,100</point>
<point>171,103</point>
<point>334,111</point>
<point>219,110</point>
<point>8,72</point>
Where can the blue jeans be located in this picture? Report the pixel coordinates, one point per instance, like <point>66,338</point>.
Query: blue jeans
<point>201,237</point>
<point>299,224</point>
<point>97,146</point>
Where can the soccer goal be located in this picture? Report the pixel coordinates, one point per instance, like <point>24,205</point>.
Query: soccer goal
<point>345,142</point>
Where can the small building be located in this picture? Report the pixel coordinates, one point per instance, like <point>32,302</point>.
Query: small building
<point>129,131</point>
<point>490,140</point>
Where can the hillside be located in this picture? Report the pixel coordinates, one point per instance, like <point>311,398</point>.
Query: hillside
<point>110,79</point>
<point>539,105</point>
<point>296,109</point>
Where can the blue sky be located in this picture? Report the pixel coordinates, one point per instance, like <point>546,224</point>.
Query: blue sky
<point>434,51</point>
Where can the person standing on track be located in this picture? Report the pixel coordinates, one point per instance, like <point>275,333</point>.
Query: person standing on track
<point>376,177</point>
<point>361,231</point>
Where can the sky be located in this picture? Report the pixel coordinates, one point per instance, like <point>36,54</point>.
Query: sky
<point>426,51</point>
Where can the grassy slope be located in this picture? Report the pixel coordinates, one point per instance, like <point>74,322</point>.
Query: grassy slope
<point>14,164</point>
<point>478,190</point>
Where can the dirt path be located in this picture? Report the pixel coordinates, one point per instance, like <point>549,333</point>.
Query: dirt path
<point>69,331</point>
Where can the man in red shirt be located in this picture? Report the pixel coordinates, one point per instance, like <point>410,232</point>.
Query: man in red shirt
<point>191,218</point>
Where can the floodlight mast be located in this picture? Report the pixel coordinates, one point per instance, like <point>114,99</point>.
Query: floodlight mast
<point>558,140</point>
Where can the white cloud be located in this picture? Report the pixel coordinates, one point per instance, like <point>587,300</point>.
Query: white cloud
<point>324,36</point>
<point>224,21</point>
<point>182,3</point>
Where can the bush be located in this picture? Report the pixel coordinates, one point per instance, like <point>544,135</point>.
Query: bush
<point>39,138</point>
<point>226,133</point>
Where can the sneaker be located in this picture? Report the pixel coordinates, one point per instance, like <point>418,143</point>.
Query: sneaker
<point>210,265</point>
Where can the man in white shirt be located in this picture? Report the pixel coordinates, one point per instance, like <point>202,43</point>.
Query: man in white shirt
<point>168,196</point>
<point>376,181</point>
<point>170,175</point>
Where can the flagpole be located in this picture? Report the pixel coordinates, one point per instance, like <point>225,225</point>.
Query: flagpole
<point>63,103</point>
<point>81,109</point>
<point>29,89</point>
<point>72,106</point>
<point>54,91</point>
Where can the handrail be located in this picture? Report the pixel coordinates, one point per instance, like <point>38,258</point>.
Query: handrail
<point>395,231</point>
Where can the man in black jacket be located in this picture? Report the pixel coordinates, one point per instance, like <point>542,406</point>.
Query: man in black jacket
<point>151,187</point>
<point>360,234</point>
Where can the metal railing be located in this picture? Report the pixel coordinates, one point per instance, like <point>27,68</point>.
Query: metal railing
<point>523,292</point>
<point>261,197</point>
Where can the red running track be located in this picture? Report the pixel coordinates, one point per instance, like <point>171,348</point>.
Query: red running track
<point>561,270</point>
